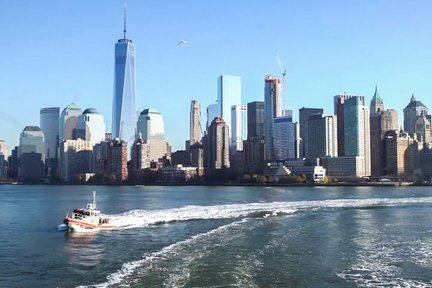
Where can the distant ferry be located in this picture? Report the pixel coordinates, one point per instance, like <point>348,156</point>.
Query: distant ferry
<point>87,219</point>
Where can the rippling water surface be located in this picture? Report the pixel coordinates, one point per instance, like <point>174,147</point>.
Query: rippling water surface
<point>219,237</point>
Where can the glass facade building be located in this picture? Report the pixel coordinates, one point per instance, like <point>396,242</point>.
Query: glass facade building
<point>272,109</point>
<point>239,126</point>
<point>49,124</point>
<point>229,94</point>
<point>91,126</point>
<point>123,109</point>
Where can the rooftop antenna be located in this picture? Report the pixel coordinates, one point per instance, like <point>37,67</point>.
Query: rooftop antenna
<point>124,22</point>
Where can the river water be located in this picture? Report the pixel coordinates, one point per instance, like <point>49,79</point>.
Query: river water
<point>219,237</point>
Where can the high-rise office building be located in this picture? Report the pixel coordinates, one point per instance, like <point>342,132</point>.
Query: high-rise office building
<point>49,124</point>
<point>272,109</point>
<point>402,155</point>
<point>239,126</point>
<point>31,153</point>
<point>91,126</point>
<point>423,129</point>
<point>117,159</point>
<point>195,122</point>
<point>412,112</point>
<point>213,111</point>
<point>4,148</point>
<point>75,158</point>
<point>283,138</point>
<point>255,119</point>
<point>339,101</point>
<point>381,121</point>
<point>123,109</point>
<point>140,157</point>
<point>322,136</point>
<point>151,128</point>
<point>216,145</point>
<point>229,94</point>
<point>304,114</point>
<point>68,122</point>
<point>357,130</point>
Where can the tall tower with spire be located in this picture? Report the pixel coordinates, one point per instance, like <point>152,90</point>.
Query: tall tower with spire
<point>123,109</point>
<point>412,112</point>
<point>377,103</point>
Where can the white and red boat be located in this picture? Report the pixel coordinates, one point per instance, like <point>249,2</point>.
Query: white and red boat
<point>87,219</point>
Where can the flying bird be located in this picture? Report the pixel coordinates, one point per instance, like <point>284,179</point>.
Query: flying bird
<point>182,42</point>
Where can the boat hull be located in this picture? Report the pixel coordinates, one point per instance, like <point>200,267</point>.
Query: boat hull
<point>83,226</point>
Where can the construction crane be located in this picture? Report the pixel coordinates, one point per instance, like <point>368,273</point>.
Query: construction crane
<point>283,73</point>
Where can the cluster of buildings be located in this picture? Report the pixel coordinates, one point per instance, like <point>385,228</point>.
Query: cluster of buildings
<point>260,138</point>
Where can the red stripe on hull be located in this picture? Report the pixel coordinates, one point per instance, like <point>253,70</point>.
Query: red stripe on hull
<point>90,225</point>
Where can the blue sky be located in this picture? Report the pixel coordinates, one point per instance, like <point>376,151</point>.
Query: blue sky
<point>57,52</point>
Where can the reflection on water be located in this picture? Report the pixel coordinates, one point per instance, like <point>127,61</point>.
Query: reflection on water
<point>83,249</point>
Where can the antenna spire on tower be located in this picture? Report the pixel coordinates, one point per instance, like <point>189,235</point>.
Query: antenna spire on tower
<point>124,22</point>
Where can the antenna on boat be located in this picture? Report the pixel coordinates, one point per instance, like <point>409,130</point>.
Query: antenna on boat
<point>94,199</point>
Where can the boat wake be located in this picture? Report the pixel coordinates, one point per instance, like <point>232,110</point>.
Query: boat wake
<point>240,213</point>
<point>143,218</point>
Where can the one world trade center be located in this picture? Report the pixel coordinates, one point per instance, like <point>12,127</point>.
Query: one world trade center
<point>123,113</point>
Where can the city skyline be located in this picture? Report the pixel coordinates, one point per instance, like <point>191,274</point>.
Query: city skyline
<point>379,48</point>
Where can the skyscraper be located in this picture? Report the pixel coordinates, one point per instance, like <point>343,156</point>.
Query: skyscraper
<point>91,126</point>
<point>239,126</point>
<point>31,153</point>
<point>412,112</point>
<point>339,101</point>
<point>283,138</point>
<point>4,148</point>
<point>255,119</point>
<point>49,124</point>
<point>229,94</point>
<point>123,110</point>
<point>216,148</point>
<point>304,114</point>
<point>322,136</point>
<point>272,109</point>
<point>381,121</point>
<point>357,131</point>
<point>195,122</point>
<point>151,128</point>
<point>68,121</point>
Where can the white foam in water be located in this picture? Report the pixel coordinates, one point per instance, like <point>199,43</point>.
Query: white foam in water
<point>143,218</point>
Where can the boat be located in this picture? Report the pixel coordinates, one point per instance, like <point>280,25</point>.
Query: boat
<point>87,219</point>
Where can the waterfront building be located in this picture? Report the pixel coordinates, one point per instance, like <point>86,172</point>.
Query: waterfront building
<point>321,136</point>
<point>123,109</point>
<point>117,155</point>
<point>68,122</point>
<point>140,157</point>
<point>151,128</point>
<point>195,123</point>
<point>4,148</point>
<point>381,121</point>
<point>76,158</point>
<point>91,126</point>
<point>304,115</point>
<point>239,127</point>
<point>283,138</point>
<point>31,154</point>
<point>197,155</point>
<point>229,94</point>
<point>272,109</point>
<point>402,152</point>
<point>425,163</point>
<point>357,130</point>
<point>216,148</point>
<point>49,123</point>
<point>345,166</point>
<point>412,112</point>
<point>339,102</point>
<point>178,174</point>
